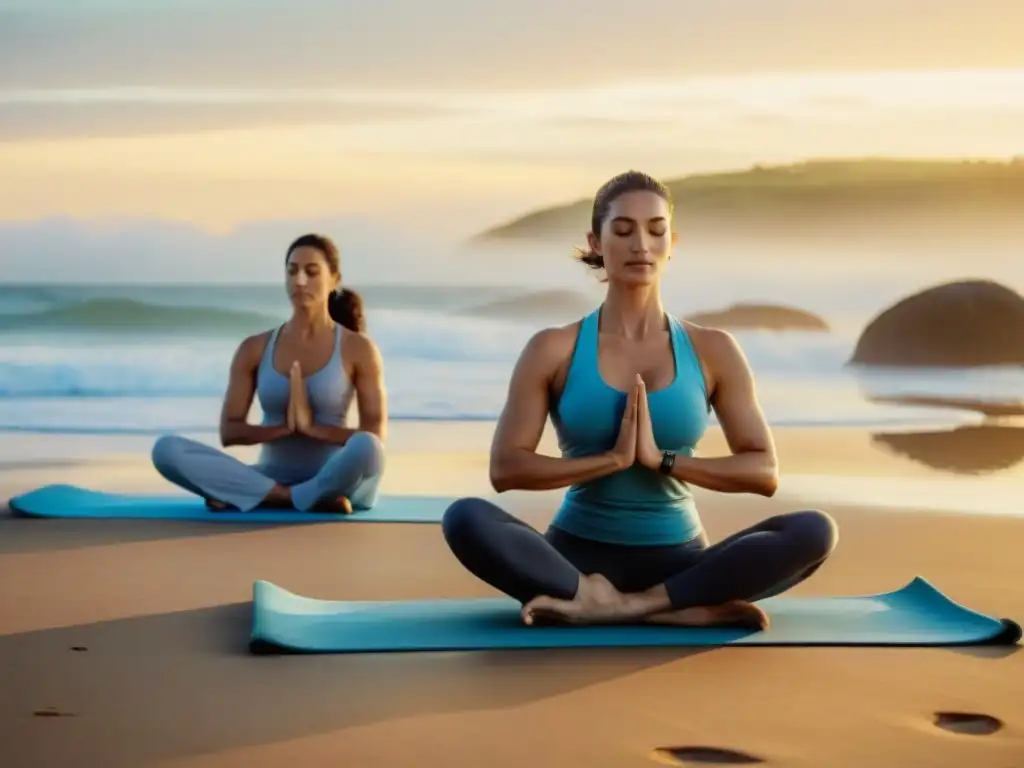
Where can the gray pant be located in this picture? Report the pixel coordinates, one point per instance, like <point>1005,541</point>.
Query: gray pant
<point>354,471</point>
<point>753,564</point>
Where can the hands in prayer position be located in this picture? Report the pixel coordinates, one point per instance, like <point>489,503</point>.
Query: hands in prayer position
<point>636,442</point>
<point>300,414</point>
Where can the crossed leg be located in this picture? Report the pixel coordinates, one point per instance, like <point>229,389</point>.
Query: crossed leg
<point>352,474</point>
<point>701,585</point>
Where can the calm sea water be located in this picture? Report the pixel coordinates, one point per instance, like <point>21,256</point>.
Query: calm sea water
<point>149,359</point>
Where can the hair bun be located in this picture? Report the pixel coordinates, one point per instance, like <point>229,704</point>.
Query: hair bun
<point>590,258</point>
<point>346,308</point>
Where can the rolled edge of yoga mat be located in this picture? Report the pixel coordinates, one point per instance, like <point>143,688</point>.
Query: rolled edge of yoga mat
<point>1010,632</point>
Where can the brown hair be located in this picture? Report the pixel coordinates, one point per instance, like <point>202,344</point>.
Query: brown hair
<point>630,181</point>
<point>345,306</point>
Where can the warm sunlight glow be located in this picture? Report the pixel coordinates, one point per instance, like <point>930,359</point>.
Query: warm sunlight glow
<point>491,145</point>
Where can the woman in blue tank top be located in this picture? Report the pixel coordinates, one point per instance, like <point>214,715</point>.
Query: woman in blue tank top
<point>629,390</point>
<point>305,374</point>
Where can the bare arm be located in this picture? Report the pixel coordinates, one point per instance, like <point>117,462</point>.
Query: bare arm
<point>515,463</point>
<point>371,392</point>
<point>753,466</point>
<point>235,428</point>
<point>371,395</point>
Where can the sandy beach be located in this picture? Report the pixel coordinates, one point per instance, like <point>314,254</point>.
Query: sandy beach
<point>124,643</point>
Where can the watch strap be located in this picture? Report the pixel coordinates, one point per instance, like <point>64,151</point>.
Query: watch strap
<point>668,460</point>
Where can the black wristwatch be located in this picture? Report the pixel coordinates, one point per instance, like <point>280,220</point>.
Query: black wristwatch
<point>668,460</point>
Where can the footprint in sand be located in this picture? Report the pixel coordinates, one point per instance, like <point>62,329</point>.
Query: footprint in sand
<point>968,723</point>
<point>51,712</point>
<point>703,756</point>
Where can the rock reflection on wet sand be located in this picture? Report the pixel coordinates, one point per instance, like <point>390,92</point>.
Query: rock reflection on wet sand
<point>970,450</point>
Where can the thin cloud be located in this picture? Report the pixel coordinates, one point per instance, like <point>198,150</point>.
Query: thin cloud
<point>69,120</point>
<point>497,45</point>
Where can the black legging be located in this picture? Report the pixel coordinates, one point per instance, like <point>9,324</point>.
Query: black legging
<point>761,561</point>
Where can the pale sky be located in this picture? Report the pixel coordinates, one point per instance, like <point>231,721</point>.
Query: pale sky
<point>450,115</point>
<point>494,45</point>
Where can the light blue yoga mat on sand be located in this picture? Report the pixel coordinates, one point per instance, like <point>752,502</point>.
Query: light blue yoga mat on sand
<point>69,501</point>
<point>916,615</point>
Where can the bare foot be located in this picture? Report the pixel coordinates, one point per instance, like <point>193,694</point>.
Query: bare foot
<point>596,602</point>
<point>276,499</point>
<point>279,497</point>
<point>339,505</point>
<point>735,613</point>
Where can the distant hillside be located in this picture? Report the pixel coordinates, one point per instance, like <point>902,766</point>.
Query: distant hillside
<point>823,195</point>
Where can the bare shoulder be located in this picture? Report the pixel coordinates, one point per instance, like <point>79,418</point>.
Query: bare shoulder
<point>251,349</point>
<point>714,345</point>
<point>360,348</point>
<point>719,352</point>
<point>549,348</point>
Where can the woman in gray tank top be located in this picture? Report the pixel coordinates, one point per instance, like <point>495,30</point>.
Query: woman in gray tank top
<point>305,374</point>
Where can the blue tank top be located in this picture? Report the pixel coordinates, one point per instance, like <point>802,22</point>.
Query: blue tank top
<point>297,458</point>
<point>636,506</point>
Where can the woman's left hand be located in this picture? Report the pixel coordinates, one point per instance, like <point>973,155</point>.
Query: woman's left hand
<point>647,452</point>
<point>301,411</point>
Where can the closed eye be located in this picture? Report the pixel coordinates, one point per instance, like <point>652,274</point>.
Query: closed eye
<point>623,226</point>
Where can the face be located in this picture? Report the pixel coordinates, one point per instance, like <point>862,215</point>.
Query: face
<point>636,238</point>
<point>310,280</point>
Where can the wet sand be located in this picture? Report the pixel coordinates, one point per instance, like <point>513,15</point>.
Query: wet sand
<point>123,643</point>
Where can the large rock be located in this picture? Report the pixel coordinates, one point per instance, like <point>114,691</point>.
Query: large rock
<point>761,316</point>
<point>963,324</point>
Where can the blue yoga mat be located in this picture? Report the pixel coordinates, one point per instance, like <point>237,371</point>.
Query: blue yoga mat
<point>69,501</point>
<point>916,615</point>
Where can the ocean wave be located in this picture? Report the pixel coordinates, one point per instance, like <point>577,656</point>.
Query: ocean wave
<point>451,360</point>
<point>143,371</point>
<point>416,350</point>
<point>439,365</point>
<point>130,316</point>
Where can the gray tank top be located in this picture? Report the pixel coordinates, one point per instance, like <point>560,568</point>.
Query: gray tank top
<point>297,458</point>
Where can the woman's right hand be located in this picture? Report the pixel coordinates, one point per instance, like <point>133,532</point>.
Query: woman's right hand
<point>625,446</point>
<point>515,461</point>
<point>290,418</point>
<point>293,380</point>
